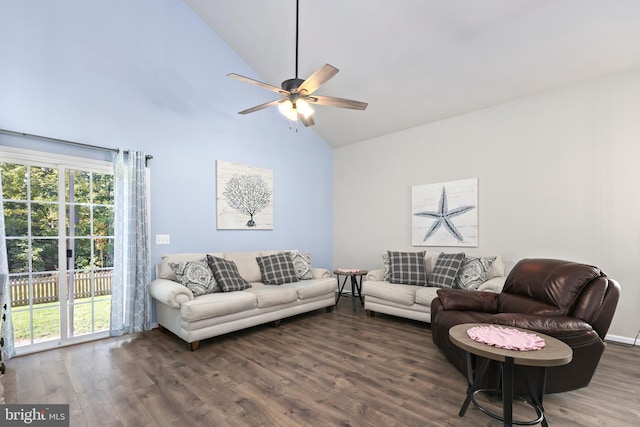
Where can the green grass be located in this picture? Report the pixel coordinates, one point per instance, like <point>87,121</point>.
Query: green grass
<point>46,319</point>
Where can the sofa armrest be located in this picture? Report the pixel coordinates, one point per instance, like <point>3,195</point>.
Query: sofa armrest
<point>170,293</point>
<point>320,273</point>
<point>465,300</point>
<point>493,285</point>
<point>376,275</point>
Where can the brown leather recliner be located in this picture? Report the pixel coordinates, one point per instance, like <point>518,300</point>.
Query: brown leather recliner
<point>572,302</point>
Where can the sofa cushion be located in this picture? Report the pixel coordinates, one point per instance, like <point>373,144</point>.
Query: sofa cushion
<point>445,270</point>
<point>426,294</point>
<point>400,294</point>
<point>220,304</point>
<point>302,264</point>
<point>312,288</point>
<point>277,269</point>
<point>269,295</point>
<point>246,264</point>
<point>226,274</point>
<point>407,268</point>
<point>473,272</point>
<point>196,276</point>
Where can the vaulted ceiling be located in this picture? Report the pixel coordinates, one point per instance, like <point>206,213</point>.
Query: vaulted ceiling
<point>419,61</point>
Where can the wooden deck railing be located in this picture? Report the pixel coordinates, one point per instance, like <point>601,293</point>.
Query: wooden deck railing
<point>45,288</point>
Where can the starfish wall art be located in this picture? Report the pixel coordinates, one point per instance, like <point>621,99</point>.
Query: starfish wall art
<point>445,214</point>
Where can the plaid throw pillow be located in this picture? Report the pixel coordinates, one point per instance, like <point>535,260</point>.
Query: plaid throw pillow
<point>226,274</point>
<point>445,270</point>
<point>407,268</point>
<point>277,269</point>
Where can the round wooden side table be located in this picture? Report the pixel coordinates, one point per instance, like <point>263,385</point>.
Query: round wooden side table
<point>355,286</point>
<point>554,353</point>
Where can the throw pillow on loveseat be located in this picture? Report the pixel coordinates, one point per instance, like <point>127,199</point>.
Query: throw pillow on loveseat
<point>413,301</point>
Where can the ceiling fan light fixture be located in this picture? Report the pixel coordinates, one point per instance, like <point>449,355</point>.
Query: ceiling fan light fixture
<point>285,106</point>
<point>304,108</point>
<point>288,109</point>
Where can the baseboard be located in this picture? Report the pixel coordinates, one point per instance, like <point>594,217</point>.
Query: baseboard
<point>620,340</point>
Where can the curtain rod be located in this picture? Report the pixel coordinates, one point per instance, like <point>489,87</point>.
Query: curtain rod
<point>64,141</point>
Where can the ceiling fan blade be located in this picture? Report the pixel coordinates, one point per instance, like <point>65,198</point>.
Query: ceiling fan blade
<point>260,107</point>
<point>306,121</point>
<point>330,101</point>
<point>257,83</point>
<point>317,79</point>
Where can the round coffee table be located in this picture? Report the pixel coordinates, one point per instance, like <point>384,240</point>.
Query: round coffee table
<point>554,353</point>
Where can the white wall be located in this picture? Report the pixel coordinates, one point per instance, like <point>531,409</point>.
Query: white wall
<point>558,177</point>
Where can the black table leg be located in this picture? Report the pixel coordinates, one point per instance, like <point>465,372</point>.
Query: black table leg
<point>340,288</point>
<point>353,292</point>
<point>355,286</point>
<point>473,381</point>
<point>507,391</point>
<point>538,395</point>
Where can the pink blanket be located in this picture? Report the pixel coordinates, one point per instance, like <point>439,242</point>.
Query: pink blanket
<point>508,338</point>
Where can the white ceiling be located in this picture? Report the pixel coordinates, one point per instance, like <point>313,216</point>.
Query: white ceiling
<point>418,61</point>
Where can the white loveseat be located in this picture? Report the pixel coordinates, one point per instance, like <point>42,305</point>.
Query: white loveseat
<point>194,318</point>
<point>413,301</point>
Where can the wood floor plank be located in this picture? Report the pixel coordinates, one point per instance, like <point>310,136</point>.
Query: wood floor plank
<point>317,369</point>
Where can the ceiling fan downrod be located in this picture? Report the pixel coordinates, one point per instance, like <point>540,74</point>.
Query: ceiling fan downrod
<point>292,85</point>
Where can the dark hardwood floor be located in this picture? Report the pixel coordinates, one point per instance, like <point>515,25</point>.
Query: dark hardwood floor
<point>317,369</point>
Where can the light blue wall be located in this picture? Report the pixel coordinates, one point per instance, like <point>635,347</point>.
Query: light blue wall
<point>150,75</point>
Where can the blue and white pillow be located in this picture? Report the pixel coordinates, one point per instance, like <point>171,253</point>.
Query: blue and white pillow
<point>196,276</point>
<point>473,272</point>
<point>302,264</point>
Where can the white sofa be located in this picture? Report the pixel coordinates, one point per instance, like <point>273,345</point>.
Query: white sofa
<point>205,316</point>
<point>412,301</point>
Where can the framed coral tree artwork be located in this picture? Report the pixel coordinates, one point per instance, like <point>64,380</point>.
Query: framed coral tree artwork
<point>445,214</point>
<point>244,197</point>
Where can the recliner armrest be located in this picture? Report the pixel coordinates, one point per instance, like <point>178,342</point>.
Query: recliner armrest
<point>170,293</point>
<point>465,300</point>
<point>556,326</point>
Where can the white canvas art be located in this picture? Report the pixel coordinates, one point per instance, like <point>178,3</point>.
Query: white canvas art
<point>445,214</point>
<point>244,197</point>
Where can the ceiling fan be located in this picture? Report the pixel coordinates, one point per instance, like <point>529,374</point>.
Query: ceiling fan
<point>296,94</point>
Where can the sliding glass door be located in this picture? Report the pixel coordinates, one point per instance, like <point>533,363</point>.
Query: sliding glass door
<point>59,236</point>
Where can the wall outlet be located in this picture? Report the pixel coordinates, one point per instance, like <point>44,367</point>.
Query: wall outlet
<point>162,239</point>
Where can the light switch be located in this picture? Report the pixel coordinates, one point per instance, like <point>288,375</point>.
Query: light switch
<point>162,239</point>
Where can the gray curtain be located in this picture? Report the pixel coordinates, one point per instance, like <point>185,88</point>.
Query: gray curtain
<point>130,301</point>
<point>5,292</point>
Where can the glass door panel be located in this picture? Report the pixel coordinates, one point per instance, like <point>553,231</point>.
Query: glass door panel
<point>48,306</point>
<point>89,207</point>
